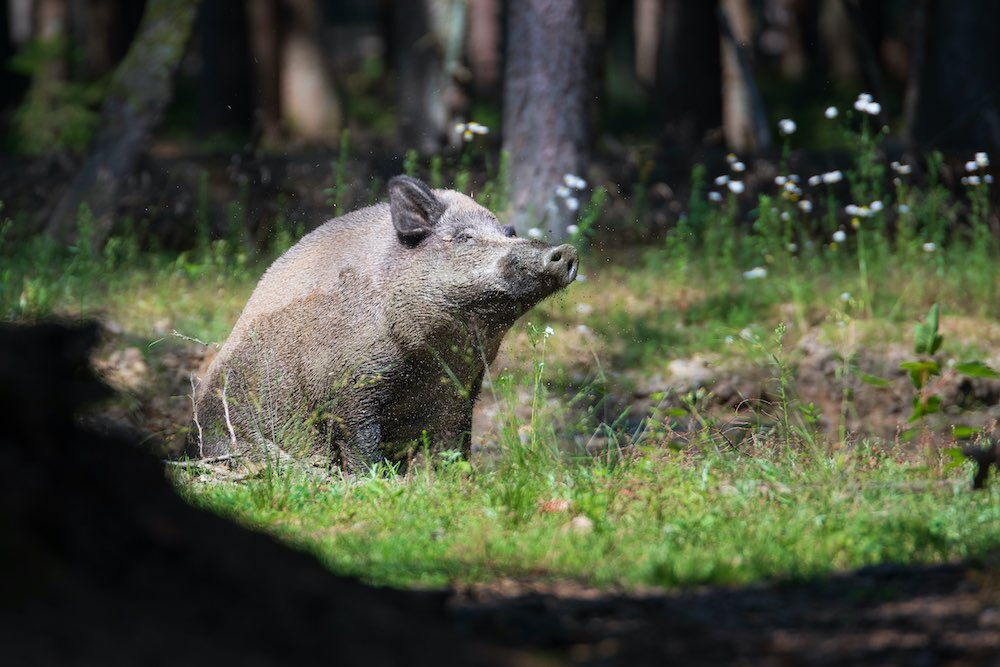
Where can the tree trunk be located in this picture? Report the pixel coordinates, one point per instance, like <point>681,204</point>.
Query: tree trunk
<point>485,30</point>
<point>262,25</point>
<point>140,90</point>
<point>426,60</point>
<point>646,28</point>
<point>309,103</point>
<point>957,105</point>
<point>544,115</point>
<point>688,73</point>
<point>743,122</point>
<point>224,67</point>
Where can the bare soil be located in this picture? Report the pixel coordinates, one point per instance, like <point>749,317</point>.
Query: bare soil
<point>886,615</point>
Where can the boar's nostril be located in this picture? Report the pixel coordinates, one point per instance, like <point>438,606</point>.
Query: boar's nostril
<point>556,256</point>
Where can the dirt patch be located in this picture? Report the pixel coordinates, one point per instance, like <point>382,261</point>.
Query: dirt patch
<point>886,615</point>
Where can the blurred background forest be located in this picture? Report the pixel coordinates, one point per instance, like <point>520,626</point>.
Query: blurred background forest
<point>155,113</point>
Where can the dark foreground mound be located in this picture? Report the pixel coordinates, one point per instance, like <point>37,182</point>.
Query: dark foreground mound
<point>102,563</point>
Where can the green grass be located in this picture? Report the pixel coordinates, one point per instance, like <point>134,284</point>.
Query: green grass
<point>664,518</point>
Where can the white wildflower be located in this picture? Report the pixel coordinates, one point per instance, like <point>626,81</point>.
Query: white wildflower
<point>583,329</point>
<point>852,210</point>
<point>780,180</point>
<point>562,191</point>
<point>845,296</point>
<point>792,247</point>
<point>721,180</point>
<point>873,108</point>
<point>574,181</point>
<point>839,236</point>
<point>900,168</point>
<point>831,113</point>
<point>864,99</point>
<point>731,158</point>
<point>806,206</point>
<point>549,331</point>
<point>794,178</point>
<point>736,187</point>
<point>573,230</point>
<point>929,247</point>
<point>787,126</point>
<point>903,209</point>
<point>832,177</point>
<point>572,203</point>
<point>730,340</point>
<point>876,206</point>
<point>535,233</point>
<point>584,308</point>
<point>971,165</point>
<point>755,273</point>
<point>983,160</point>
<point>714,196</point>
<point>786,216</point>
<point>739,167</point>
<point>975,180</point>
<point>815,180</point>
<point>988,178</point>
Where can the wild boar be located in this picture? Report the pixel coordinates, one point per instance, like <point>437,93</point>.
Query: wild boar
<point>374,331</point>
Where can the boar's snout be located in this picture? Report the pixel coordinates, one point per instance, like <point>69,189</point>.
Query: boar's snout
<point>561,263</point>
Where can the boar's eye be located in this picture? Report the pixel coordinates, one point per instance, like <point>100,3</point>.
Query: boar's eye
<point>508,230</point>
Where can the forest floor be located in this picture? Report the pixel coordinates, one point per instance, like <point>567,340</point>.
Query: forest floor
<point>644,499</point>
<point>672,458</point>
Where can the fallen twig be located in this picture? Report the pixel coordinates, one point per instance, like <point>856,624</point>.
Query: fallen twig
<point>192,463</point>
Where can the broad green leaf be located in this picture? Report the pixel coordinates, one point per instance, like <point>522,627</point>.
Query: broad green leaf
<point>977,369</point>
<point>920,370</point>
<point>925,335</point>
<point>923,408</point>
<point>874,380</point>
<point>929,367</point>
<point>963,432</point>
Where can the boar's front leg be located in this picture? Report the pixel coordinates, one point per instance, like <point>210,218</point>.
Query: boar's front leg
<point>361,448</point>
<point>453,429</point>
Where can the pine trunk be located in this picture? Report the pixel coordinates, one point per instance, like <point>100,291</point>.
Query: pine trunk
<point>956,102</point>
<point>309,103</point>
<point>426,58</point>
<point>544,115</point>
<point>140,90</point>
<point>688,73</point>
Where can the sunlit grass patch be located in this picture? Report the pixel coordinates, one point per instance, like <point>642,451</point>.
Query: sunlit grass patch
<point>665,518</point>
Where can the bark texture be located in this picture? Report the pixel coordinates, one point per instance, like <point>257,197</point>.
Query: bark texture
<point>956,104</point>
<point>688,73</point>
<point>309,103</point>
<point>744,122</point>
<point>262,26</point>
<point>544,115</point>
<point>429,36</point>
<point>140,90</point>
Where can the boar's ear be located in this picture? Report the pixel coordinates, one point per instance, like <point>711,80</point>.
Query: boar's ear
<point>414,208</point>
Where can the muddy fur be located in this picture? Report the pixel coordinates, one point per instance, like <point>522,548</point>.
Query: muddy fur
<point>374,331</point>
